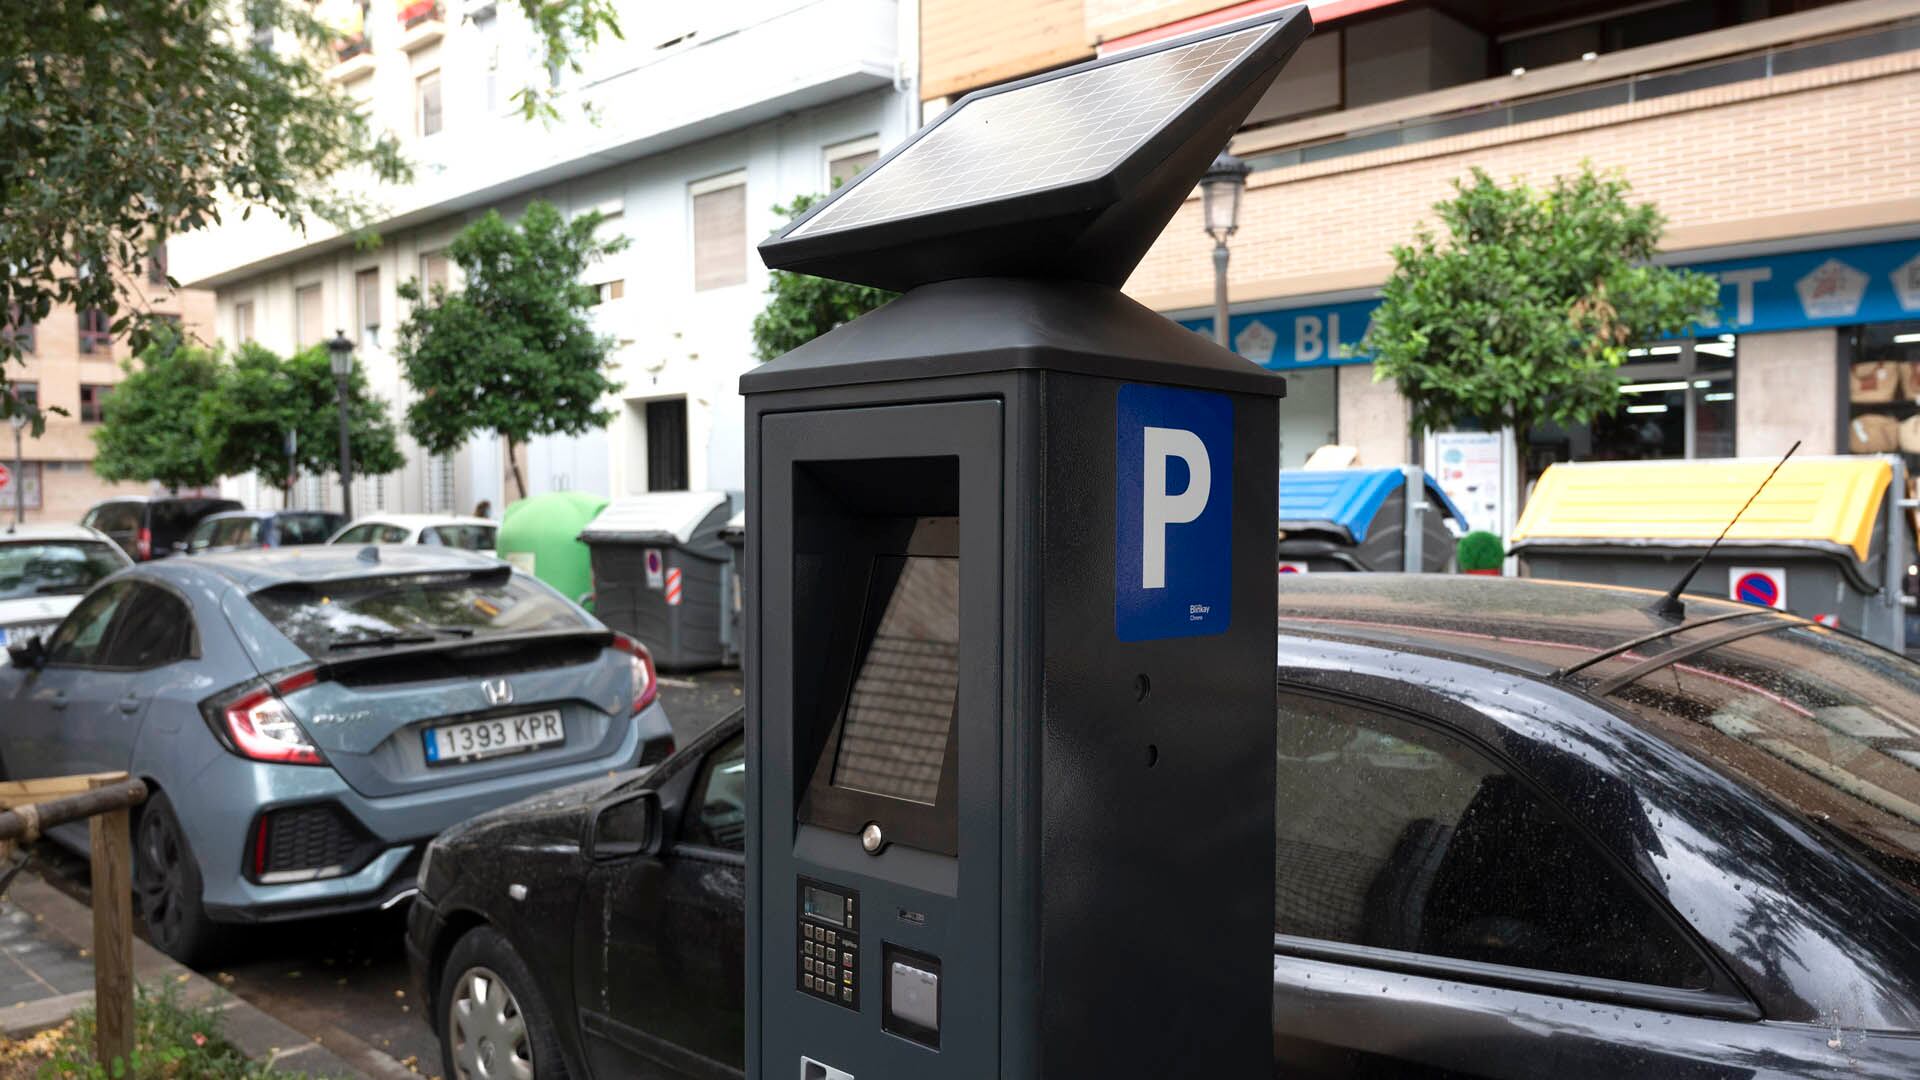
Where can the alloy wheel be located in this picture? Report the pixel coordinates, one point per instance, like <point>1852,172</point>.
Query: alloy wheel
<point>161,883</point>
<point>487,1030</point>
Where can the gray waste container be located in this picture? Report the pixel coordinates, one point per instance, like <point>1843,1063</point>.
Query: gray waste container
<point>659,573</point>
<point>1342,520</point>
<point>733,638</point>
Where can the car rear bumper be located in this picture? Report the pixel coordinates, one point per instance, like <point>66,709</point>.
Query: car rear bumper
<point>219,827</point>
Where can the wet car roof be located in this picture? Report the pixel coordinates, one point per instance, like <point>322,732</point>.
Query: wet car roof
<point>1527,624</point>
<point>320,562</point>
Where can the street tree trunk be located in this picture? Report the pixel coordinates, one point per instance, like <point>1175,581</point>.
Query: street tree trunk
<point>513,463</point>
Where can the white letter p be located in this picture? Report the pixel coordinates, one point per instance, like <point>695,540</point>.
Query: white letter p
<point>1159,507</point>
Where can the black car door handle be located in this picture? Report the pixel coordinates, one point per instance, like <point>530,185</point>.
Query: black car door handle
<point>129,704</point>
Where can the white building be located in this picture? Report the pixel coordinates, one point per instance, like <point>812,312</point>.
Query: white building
<point>694,127</point>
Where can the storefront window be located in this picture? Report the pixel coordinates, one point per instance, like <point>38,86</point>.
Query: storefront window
<point>1883,383</point>
<point>1676,401</point>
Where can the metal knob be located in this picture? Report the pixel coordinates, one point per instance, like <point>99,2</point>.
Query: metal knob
<point>872,838</point>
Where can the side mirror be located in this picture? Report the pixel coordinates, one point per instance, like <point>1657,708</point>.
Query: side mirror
<point>31,653</point>
<point>628,824</point>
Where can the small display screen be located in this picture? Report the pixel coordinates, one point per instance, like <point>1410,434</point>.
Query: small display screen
<point>893,739</point>
<point>821,904</point>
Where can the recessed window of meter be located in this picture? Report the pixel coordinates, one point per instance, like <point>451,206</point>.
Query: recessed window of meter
<point>893,738</point>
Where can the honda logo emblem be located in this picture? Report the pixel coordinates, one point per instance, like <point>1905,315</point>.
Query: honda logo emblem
<point>498,691</point>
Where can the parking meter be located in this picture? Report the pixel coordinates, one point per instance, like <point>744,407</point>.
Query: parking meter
<point>1010,630</point>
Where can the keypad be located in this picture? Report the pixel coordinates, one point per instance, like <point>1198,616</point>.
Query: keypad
<point>828,961</point>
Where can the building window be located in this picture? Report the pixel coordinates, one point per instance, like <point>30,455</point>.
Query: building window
<point>366,305</point>
<point>26,393</point>
<point>157,265</point>
<point>20,329</point>
<point>610,290</point>
<point>719,231</point>
<point>433,273</point>
<point>1883,390</point>
<point>1676,401</point>
<point>309,318</point>
<point>426,104</point>
<point>487,25</point>
<point>243,321</point>
<point>93,402</point>
<point>667,445</point>
<point>96,331</point>
<point>848,159</point>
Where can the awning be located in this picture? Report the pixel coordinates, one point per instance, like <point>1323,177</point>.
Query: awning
<point>1830,501</point>
<point>1345,500</point>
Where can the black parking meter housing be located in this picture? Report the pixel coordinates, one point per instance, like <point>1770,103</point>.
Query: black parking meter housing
<point>1009,655</point>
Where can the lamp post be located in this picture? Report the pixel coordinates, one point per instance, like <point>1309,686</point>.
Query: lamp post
<point>340,355</point>
<point>1220,192</point>
<point>19,472</point>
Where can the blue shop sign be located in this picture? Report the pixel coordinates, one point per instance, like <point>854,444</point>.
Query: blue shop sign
<point>1792,291</point>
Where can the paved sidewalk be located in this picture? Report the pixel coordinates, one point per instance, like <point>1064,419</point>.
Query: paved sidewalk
<point>48,973</point>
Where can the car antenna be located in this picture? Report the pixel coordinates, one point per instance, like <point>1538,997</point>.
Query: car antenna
<point>1669,606</point>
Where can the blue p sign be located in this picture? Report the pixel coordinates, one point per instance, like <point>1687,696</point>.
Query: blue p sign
<point>1173,548</point>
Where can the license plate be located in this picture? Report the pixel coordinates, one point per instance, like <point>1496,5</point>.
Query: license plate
<point>476,739</point>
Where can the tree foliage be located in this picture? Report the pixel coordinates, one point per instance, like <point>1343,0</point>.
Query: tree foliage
<point>1523,313</point>
<point>801,307</point>
<point>147,427</point>
<point>243,421</point>
<point>514,351</point>
<point>123,122</point>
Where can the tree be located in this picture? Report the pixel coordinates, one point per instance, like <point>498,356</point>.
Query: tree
<point>244,419</point>
<point>801,307</point>
<point>513,352</point>
<point>1525,312</point>
<point>147,427</point>
<point>125,122</point>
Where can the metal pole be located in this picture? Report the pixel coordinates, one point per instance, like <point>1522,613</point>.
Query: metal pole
<point>19,479</point>
<point>346,460</point>
<point>1220,294</point>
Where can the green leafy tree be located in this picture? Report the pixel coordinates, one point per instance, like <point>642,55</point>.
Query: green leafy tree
<point>243,421</point>
<point>1524,312</point>
<point>147,430</point>
<point>123,122</point>
<point>801,307</point>
<point>513,352</point>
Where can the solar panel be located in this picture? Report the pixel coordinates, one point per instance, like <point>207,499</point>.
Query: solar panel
<point>1039,135</point>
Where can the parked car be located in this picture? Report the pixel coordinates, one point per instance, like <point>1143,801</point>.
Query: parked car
<point>308,718</point>
<point>1525,829</point>
<point>147,528</point>
<point>244,530</point>
<point>44,571</point>
<point>445,530</point>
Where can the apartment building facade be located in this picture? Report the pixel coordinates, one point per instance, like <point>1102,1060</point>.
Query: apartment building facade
<point>685,136</point>
<point>72,362</point>
<point>1780,139</point>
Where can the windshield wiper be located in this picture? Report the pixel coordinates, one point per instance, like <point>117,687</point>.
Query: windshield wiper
<point>456,631</point>
<point>382,639</point>
<point>1673,656</point>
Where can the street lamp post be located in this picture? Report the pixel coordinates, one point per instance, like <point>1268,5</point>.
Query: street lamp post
<point>1220,192</point>
<point>340,355</point>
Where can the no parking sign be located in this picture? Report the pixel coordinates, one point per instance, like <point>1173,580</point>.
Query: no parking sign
<point>1762,585</point>
<point>655,561</point>
<point>1287,567</point>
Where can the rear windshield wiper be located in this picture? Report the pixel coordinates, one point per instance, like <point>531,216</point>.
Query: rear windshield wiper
<point>1667,659</point>
<point>456,631</point>
<point>382,639</point>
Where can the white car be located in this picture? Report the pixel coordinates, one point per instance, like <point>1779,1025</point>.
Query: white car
<point>44,571</point>
<point>445,530</point>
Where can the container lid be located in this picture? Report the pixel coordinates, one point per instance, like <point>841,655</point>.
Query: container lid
<point>659,516</point>
<point>1832,503</point>
<point>1345,500</point>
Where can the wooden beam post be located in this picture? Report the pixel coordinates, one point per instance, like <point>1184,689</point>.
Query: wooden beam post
<point>112,850</point>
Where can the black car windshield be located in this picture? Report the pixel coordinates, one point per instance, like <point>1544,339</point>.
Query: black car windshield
<point>371,614</point>
<point>53,567</point>
<point>1823,724</point>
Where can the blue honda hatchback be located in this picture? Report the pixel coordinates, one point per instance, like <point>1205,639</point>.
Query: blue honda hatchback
<point>309,718</point>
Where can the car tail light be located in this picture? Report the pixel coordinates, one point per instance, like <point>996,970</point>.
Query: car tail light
<point>254,721</point>
<point>645,686</point>
<point>144,543</point>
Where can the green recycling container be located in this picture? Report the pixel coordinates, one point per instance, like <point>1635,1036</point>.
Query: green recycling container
<point>540,536</point>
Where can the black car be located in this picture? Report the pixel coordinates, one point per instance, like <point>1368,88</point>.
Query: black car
<point>245,530</point>
<point>148,528</point>
<point>1525,829</point>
